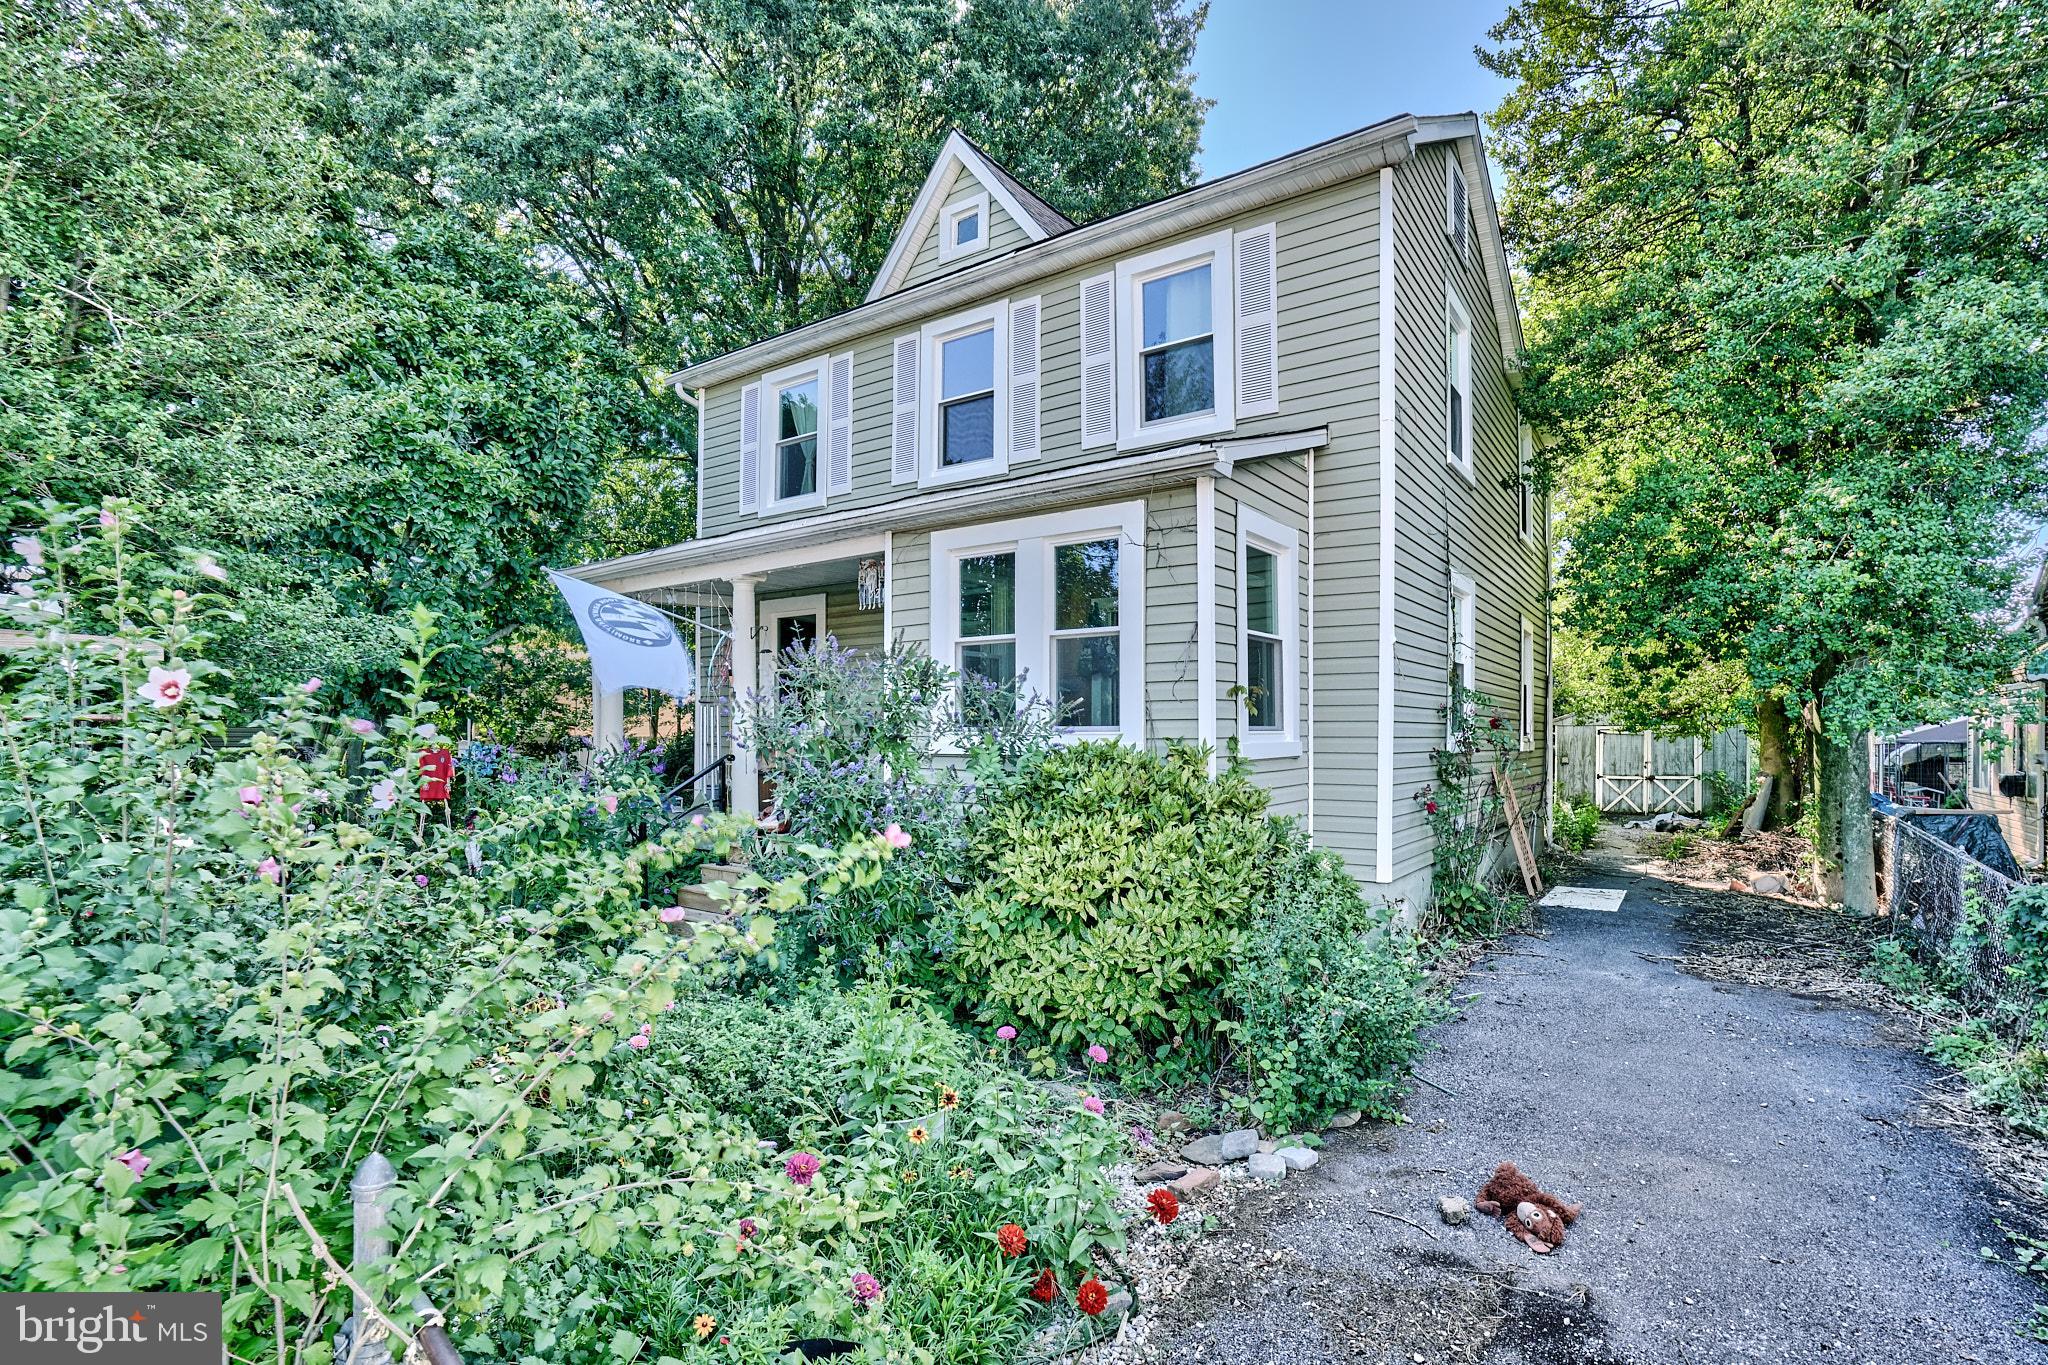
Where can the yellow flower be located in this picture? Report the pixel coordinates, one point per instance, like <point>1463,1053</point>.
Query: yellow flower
<point>949,1098</point>
<point>705,1325</point>
<point>962,1173</point>
<point>909,1176</point>
<point>689,1248</point>
<point>918,1135</point>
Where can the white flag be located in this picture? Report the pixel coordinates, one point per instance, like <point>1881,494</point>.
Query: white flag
<point>630,643</point>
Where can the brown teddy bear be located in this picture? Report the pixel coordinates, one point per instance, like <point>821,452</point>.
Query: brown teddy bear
<point>1538,1219</point>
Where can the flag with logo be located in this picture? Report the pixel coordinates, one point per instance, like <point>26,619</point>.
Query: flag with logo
<point>631,644</point>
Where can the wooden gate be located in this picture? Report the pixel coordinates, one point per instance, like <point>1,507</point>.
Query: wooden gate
<point>1639,773</point>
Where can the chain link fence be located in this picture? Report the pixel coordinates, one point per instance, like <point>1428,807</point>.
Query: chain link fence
<point>1949,910</point>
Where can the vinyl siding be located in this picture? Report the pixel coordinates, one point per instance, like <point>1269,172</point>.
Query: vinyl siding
<point>1448,524</point>
<point>1003,235</point>
<point>1326,309</point>
<point>1276,488</point>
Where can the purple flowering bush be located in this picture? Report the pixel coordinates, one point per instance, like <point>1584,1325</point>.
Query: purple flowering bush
<point>859,741</point>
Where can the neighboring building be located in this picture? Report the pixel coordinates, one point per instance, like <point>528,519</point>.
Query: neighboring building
<point>1229,466</point>
<point>2009,752</point>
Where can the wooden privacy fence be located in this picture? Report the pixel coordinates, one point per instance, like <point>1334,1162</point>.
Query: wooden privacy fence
<point>1638,772</point>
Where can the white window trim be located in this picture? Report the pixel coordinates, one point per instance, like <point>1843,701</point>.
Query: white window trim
<point>1464,605</point>
<point>769,481</point>
<point>1214,250</point>
<point>949,250</point>
<point>1458,372</point>
<point>1033,540</point>
<point>772,611</point>
<point>1254,529</point>
<point>1526,722</point>
<point>930,473</point>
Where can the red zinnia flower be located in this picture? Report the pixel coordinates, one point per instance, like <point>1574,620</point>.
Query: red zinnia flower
<point>1165,1206</point>
<point>1429,806</point>
<point>1091,1298</point>
<point>1047,1289</point>
<point>1011,1239</point>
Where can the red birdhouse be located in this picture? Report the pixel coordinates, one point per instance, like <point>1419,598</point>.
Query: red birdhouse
<point>437,771</point>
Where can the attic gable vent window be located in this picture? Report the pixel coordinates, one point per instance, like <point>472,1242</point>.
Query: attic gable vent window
<point>963,227</point>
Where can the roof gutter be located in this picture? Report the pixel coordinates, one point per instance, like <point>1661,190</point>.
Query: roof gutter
<point>1333,162</point>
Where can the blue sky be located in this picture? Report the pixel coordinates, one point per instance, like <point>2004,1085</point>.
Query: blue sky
<point>1287,73</point>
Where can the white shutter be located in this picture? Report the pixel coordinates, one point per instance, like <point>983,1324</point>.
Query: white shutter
<point>1258,323</point>
<point>750,448</point>
<point>1024,380</point>
<point>1098,361</point>
<point>839,425</point>
<point>903,442</point>
<point>1457,209</point>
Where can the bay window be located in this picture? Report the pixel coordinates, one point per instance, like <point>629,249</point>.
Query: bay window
<point>1056,601</point>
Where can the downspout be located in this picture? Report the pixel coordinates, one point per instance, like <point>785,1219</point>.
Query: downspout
<point>1308,720</point>
<point>1205,617</point>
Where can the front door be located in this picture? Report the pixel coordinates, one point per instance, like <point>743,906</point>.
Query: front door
<point>786,623</point>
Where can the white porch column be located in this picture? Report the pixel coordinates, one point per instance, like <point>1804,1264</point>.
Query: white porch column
<point>607,720</point>
<point>746,677</point>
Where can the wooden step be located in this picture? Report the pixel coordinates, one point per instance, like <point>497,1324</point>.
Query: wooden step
<point>700,898</point>
<point>712,873</point>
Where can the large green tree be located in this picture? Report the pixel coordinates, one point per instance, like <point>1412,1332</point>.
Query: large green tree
<point>193,319</point>
<point>1790,268</point>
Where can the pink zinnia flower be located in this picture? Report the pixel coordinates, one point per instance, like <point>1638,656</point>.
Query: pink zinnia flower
<point>419,878</point>
<point>384,795</point>
<point>697,820</point>
<point>269,870</point>
<point>895,837</point>
<point>800,1167</point>
<point>638,1042</point>
<point>1097,1053</point>
<point>135,1161</point>
<point>108,521</point>
<point>610,803</point>
<point>866,1288</point>
<point>166,687</point>
<point>251,796</point>
<point>670,914</point>
<point>1093,1104</point>
<point>363,727</point>
<point>310,686</point>
<point>1006,1033</point>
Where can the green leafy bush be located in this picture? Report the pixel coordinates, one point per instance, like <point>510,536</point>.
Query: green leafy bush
<point>1329,995</point>
<point>1576,823</point>
<point>1107,888</point>
<point>1464,812</point>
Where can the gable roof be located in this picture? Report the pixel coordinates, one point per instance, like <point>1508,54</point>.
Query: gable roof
<point>1347,155</point>
<point>1037,218</point>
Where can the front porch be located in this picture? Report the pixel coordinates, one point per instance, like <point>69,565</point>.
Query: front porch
<point>741,614</point>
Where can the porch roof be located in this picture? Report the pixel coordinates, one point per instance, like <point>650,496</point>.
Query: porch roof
<point>858,531</point>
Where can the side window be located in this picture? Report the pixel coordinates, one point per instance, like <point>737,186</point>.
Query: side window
<point>1528,735</point>
<point>1087,680</point>
<point>1458,385</point>
<point>1461,656</point>
<point>1268,635</point>
<point>1262,658</point>
<point>1526,483</point>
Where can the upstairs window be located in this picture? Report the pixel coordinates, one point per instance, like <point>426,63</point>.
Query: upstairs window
<point>1177,354</point>
<point>796,440</point>
<point>1458,385</point>
<point>963,227</point>
<point>1526,484</point>
<point>1085,634</point>
<point>967,398</point>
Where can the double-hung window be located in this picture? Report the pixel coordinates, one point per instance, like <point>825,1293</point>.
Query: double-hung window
<point>1086,640</point>
<point>792,474</point>
<point>967,398</point>
<point>1461,675</point>
<point>966,386</point>
<point>1269,622</point>
<point>1458,384</point>
<point>1176,342</point>
<point>1054,604</point>
<point>1526,483</point>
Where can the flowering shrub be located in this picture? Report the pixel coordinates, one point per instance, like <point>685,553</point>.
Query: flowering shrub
<point>1108,887</point>
<point>1463,811</point>
<point>848,741</point>
<point>227,972</point>
<point>1328,992</point>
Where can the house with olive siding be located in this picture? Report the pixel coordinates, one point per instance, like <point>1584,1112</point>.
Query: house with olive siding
<point>1241,467</point>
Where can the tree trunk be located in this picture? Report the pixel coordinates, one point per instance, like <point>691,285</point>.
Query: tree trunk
<point>1778,756</point>
<point>1848,859</point>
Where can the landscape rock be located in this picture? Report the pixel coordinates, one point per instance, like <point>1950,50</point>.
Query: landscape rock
<point>1453,1210</point>
<point>1172,1123</point>
<point>1767,884</point>
<point>1269,1144</point>
<point>1266,1166</point>
<point>1196,1181</point>
<point>1239,1143</point>
<point>1297,1158</point>
<point>1218,1148</point>
<point>1348,1119</point>
<point>1158,1172</point>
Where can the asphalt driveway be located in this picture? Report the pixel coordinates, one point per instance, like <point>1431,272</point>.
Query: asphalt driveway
<point>1756,1188</point>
